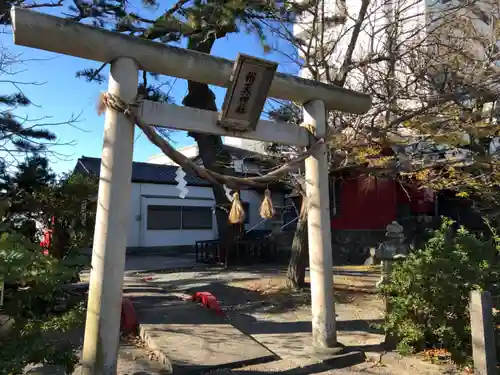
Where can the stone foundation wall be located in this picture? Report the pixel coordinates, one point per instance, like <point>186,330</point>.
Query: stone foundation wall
<point>348,246</point>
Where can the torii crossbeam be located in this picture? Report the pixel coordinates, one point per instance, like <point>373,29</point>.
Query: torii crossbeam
<point>127,54</point>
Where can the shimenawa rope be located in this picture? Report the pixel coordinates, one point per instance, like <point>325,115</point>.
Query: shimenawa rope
<point>108,100</point>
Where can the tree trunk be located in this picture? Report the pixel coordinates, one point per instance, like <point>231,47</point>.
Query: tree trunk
<point>209,146</point>
<point>298,258</point>
<point>60,241</point>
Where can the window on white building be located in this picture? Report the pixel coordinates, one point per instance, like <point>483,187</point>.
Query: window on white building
<point>163,217</point>
<point>196,217</point>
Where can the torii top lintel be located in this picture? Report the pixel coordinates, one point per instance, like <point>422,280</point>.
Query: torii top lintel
<point>54,34</point>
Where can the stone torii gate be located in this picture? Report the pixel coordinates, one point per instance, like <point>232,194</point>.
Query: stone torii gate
<point>126,55</point>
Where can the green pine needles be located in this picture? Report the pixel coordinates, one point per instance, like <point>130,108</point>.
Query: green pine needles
<point>44,312</point>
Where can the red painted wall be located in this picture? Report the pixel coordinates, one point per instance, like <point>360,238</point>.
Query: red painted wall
<point>366,203</point>
<point>372,203</point>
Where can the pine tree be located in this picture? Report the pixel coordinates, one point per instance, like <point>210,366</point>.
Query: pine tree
<point>15,136</point>
<point>18,135</point>
<point>202,23</point>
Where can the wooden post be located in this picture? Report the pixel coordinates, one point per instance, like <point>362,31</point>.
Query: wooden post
<point>324,334</point>
<point>483,333</point>
<point>102,328</point>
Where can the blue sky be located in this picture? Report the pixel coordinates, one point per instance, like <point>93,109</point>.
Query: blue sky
<point>59,95</point>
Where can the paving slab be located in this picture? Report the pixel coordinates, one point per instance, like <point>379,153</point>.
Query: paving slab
<point>188,337</point>
<point>132,360</point>
<point>288,334</point>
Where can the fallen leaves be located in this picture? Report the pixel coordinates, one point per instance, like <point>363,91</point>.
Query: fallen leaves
<point>437,355</point>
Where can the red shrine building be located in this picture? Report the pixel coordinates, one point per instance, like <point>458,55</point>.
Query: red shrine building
<point>363,205</point>
<point>369,203</point>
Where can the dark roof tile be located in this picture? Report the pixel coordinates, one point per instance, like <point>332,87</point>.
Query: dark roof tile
<point>141,172</point>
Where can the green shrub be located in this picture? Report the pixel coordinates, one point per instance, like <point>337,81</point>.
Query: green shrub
<point>43,310</point>
<point>429,291</point>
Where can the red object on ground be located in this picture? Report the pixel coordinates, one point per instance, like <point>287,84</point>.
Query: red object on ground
<point>128,321</point>
<point>208,300</point>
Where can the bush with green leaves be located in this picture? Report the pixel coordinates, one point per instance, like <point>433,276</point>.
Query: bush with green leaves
<point>428,293</point>
<point>43,309</point>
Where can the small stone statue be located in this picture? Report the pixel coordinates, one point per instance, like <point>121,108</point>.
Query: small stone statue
<point>372,257</point>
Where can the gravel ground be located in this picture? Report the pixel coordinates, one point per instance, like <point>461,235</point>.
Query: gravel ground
<point>258,305</point>
<point>280,320</point>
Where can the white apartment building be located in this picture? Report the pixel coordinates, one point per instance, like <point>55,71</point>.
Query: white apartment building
<point>422,32</point>
<point>238,148</point>
<point>411,21</point>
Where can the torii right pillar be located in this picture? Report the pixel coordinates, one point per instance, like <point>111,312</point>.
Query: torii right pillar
<point>324,334</point>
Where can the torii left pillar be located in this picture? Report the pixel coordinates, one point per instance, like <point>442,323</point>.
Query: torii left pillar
<point>102,329</point>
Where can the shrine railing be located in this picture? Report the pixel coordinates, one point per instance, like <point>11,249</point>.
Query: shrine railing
<point>243,251</point>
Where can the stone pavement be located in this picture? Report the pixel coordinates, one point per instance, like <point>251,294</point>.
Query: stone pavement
<point>186,337</point>
<point>191,338</point>
<point>132,360</point>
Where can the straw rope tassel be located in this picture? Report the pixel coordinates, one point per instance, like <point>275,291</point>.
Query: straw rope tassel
<point>102,103</point>
<point>237,213</point>
<point>266,207</point>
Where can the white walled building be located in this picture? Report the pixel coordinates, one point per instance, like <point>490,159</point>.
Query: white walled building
<point>160,218</point>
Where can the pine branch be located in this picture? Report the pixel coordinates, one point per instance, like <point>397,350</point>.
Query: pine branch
<point>13,100</point>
